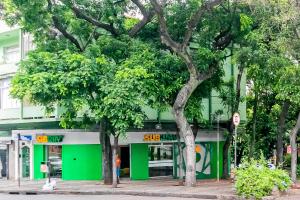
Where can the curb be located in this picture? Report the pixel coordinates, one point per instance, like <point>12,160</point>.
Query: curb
<point>115,192</point>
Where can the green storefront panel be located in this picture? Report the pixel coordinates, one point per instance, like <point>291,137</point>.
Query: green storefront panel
<point>214,159</point>
<point>81,162</point>
<point>206,160</point>
<point>139,162</point>
<point>39,156</point>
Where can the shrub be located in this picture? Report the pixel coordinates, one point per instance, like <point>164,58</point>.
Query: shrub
<point>254,179</point>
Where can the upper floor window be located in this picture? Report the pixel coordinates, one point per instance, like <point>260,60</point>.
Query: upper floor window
<point>11,54</point>
<point>6,101</point>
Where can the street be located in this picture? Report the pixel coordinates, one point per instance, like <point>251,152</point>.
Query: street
<point>82,197</point>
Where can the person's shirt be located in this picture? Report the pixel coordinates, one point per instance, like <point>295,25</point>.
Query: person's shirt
<point>118,162</point>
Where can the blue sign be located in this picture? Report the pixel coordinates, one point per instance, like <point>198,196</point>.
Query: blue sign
<point>26,137</point>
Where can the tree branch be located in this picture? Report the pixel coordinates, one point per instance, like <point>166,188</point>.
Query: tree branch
<point>165,36</point>
<point>108,27</point>
<point>167,40</point>
<point>147,17</point>
<point>207,6</point>
<point>222,40</point>
<point>61,28</point>
<point>209,73</point>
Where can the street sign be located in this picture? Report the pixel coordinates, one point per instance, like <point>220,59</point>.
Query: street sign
<point>26,137</point>
<point>236,119</point>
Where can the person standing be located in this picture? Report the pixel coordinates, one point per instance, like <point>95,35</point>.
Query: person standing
<point>118,165</point>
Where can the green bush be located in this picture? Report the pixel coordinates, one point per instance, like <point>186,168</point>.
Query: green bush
<point>255,179</point>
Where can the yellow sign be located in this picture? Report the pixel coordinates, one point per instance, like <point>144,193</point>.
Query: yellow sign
<point>159,137</point>
<point>42,139</point>
<point>151,137</point>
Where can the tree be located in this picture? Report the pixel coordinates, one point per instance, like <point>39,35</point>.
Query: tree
<point>270,49</point>
<point>288,90</point>
<point>206,27</point>
<point>76,25</point>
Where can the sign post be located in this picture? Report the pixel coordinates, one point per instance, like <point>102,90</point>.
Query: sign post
<point>19,156</point>
<point>218,149</point>
<point>236,122</point>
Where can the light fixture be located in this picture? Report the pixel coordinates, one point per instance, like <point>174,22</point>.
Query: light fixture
<point>158,126</point>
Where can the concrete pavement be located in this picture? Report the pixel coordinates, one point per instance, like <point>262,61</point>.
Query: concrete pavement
<point>208,189</point>
<point>158,188</point>
<point>83,197</point>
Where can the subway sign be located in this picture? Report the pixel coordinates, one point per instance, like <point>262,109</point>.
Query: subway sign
<point>159,137</point>
<point>49,138</point>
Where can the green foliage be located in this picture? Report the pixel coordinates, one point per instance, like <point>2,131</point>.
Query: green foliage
<point>246,22</point>
<point>101,82</point>
<point>289,85</point>
<point>254,179</point>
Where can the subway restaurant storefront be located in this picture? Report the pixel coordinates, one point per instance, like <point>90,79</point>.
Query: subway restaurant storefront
<point>76,154</point>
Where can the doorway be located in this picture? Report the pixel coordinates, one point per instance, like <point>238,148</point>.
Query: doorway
<point>160,160</point>
<point>54,156</point>
<point>125,161</point>
<point>25,153</point>
<point>3,161</point>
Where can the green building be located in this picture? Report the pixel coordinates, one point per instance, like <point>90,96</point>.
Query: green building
<point>76,154</point>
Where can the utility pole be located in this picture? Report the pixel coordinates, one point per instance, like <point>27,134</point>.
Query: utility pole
<point>236,122</point>
<point>218,149</point>
<point>19,156</point>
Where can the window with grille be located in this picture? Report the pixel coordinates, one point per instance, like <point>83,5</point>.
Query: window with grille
<point>6,101</point>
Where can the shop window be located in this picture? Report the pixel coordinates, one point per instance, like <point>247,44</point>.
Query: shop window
<point>11,54</point>
<point>54,156</point>
<point>160,160</point>
<point>6,101</point>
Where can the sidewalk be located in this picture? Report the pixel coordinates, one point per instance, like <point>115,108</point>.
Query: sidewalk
<point>208,189</point>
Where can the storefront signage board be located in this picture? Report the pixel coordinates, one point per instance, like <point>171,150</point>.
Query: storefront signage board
<point>159,137</point>
<point>49,138</point>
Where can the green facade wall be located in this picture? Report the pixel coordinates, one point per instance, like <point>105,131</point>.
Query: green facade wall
<point>139,162</point>
<point>81,162</point>
<point>214,159</point>
<point>39,156</point>
<point>209,160</point>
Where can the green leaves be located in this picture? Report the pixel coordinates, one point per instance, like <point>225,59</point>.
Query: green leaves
<point>288,86</point>
<point>255,179</point>
<point>246,22</point>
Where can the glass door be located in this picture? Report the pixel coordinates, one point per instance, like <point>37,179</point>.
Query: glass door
<point>160,160</point>
<point>25,161</point>
<point>54,156</point>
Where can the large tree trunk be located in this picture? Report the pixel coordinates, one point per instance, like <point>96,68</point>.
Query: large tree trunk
<point>185,129</point>
<point>293,140</point>
<point>106,153</point>
<point>180,162</point>
<point>281,130</point>
<point>226,157</point>
<point>115,148</point>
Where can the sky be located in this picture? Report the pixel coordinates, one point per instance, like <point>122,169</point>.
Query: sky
<point>4,27</point>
